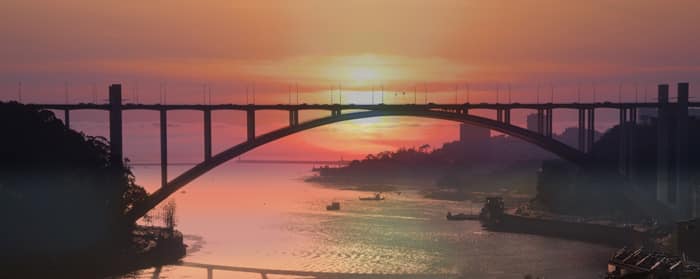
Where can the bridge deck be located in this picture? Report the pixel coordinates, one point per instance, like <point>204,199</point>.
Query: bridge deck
<point>130,106</point>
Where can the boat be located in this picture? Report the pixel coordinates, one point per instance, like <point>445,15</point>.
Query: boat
<point>333,206</point>
<point>461,216</point>
<point>493,217</point>
<point>377,197</point>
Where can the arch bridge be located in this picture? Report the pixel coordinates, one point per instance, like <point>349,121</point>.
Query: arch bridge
<point>542,136</point>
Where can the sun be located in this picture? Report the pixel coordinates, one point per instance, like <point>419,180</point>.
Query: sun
<point>363,75</point>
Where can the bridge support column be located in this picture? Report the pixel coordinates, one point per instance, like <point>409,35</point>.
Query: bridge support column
<point>664,192</point>
<point>293,118</point>
<point>66,118</point>
<point>590,131</point>
<point>582,130</point>
<point>250,117</point>
<point>115,125</point>
<point>210,273</point>
<point>548,122</point>
<point>207,134</point>
<point>633,164</point>
<point>673,178</point>
<point>163,148</point>
<point>507,115</point>
<point>335,112</point>
<point>499,115</point>
<point>685,195</point>
<point>623,150</point>
<point>540,121</point>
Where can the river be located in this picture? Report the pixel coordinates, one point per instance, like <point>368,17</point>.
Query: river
<point>265,216</point>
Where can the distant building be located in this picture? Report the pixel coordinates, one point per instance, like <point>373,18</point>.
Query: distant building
<point>474,136</point>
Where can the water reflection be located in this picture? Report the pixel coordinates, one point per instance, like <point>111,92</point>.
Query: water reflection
<point>263,218</point>
<point>266,273</point>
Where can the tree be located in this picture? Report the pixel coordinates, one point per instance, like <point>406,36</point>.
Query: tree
<point>168,215</point>
<point>62,182</point>
<point>424,148</point>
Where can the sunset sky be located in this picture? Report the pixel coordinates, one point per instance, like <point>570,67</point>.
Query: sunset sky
<point>230,47</point>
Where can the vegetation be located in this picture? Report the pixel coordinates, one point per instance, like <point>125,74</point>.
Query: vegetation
<point>168,215</point>
<point>61,199</point>
<point>451,172</point>
<point>563,189</point>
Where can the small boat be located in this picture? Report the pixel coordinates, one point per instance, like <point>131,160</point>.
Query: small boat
<point>333,206</point>
<point>461,216</point>
<point>377,197</point>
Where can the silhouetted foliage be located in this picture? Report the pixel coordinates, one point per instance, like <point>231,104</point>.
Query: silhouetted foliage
<point>455,164</point>
<point>59,194</point>
<point>601,192</point>
<point>167,215</point>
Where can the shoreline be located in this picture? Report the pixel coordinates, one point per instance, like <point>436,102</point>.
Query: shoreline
<point>427,192</point>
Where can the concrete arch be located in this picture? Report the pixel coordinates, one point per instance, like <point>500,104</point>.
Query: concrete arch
<point>560,149</point>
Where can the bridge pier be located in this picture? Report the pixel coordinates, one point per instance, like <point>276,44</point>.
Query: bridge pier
<point>207,134</point>
<point>66,118</point>
<point>548,122</point>
<point>685,194</point>
<point>663,185</point>
<point>582,130</point>
<point>540,121</point>
<point>115,125</point>
<point>335,112</point>
<point>633,163</point>
<point>163,148</point>
<point>250,119</point>
<point>507,115</point>
<point>590,131</point>
<point>623,149</point>
<point>673,178</point>
<point>499,115</point>
<point>293,118</point>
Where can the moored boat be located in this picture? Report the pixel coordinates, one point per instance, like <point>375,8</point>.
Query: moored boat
<point>377,197</point>
<point>333,206</point>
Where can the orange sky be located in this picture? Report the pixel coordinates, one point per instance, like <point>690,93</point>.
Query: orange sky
<point>231,45</point>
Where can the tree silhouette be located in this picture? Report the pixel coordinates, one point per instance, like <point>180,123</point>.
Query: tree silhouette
<point>59,194</point>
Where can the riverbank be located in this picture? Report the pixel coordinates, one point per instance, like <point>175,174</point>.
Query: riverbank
<point>513,197</point>
<point>149,246</point>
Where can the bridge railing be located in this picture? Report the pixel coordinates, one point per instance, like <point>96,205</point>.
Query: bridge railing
<point>264,273</point>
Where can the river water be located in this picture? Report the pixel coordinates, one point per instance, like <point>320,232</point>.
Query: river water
<point>265,216</point>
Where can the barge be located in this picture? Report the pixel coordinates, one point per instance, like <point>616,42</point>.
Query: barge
<point>494,218</point>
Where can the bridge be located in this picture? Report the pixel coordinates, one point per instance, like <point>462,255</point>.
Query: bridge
<point>673,187</point>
